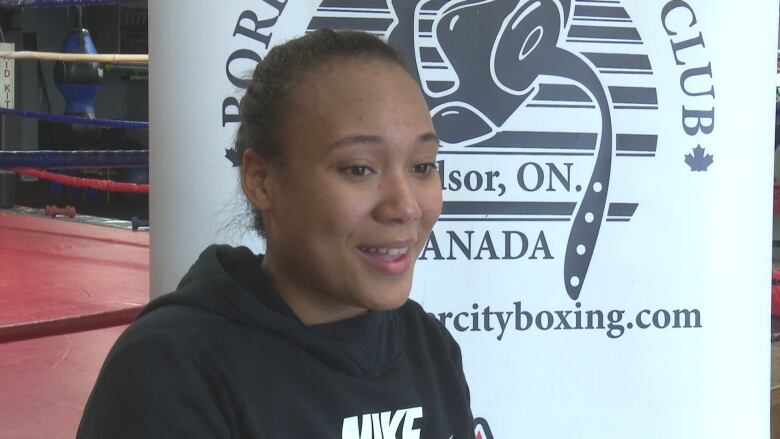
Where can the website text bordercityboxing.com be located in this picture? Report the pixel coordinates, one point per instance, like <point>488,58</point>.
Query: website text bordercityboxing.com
<point>615,323</point>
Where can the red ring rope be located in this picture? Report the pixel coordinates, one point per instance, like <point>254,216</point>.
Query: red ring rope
<point>68,325</point>
<point>103,185</point>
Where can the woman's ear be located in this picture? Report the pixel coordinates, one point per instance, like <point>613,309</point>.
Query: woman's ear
<point>255,175</point>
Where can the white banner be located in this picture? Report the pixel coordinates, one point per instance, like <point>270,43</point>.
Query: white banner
<point>603,257</point>
<point>7,77</point>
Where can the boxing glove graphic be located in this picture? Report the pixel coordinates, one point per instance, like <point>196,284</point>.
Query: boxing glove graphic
<point>502,66</point>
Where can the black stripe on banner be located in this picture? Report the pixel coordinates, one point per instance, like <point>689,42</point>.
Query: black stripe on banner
<point>628,72</point>
<point>622,209</point>
<point>619,61</point>
<point>560,106</point>
<point>356,11</point>
<point>636,142</point>
<point>351,23</point>
<point>635,107</point>
<point>605,33</point>
<point>378,34</point>
<point>600,12</point>
<point>600,41</point>
<point>637,154</point>
<point>485,220</point>
<point>478,151</point>
<point>541,140</point>
<point>561,92</point>
<point>605,20</point>
<point>634,95</point>
<point>507,208</point>
<point>359,4</point>
<point>647,143</point>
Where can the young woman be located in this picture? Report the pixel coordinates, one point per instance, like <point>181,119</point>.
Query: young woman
<point>317,338</point>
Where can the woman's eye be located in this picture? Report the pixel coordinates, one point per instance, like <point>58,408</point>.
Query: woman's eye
<point>424,168</point>
<point>357,171</point>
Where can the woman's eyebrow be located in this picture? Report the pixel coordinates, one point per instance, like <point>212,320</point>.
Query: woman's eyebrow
<point>361,139</point>
<point>367,139</point>
<point>428,137</point>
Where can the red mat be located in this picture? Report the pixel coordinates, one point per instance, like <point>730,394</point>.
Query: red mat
<point>45,382</point>
<point>60,276</point>
<point>56,272</point>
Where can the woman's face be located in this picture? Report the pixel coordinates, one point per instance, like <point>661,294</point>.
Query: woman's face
<point>352,206</point>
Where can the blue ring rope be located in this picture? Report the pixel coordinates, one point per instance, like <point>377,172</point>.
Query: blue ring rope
<point>57,3</point>
<point>76,119</point>
<point>73,159</point>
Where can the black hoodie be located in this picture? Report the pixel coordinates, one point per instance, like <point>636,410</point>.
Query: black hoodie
<point>225,357</point>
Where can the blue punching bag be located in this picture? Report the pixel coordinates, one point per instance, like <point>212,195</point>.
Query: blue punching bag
<point>79,83</point>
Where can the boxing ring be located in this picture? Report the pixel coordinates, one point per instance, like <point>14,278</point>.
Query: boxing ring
<point>68,290</point>
<point>69,283</point>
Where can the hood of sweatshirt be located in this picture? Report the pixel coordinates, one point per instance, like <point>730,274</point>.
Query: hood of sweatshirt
<point>228,282</point>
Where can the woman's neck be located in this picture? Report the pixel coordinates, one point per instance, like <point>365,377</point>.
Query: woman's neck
<point>309,304</point>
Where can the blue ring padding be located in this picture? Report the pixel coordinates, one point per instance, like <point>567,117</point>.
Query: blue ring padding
<point>73,159</point>
<point>76,120</point>
<point>59,3</point>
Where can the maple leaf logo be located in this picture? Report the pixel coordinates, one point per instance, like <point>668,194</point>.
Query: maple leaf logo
<point>232,155</point>
<point>698,161</point>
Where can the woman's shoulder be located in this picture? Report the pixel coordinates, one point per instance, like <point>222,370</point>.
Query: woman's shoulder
<point>159,365</point>
<point>174,323</point>
<point>164,338</point>
<point>189,320</point>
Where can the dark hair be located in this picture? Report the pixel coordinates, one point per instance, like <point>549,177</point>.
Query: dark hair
<point>283,68</point>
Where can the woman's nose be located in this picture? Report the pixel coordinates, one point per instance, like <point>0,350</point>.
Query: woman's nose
<point>398,199</point>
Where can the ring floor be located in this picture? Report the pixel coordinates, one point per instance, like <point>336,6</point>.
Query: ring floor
<point>60,270</point>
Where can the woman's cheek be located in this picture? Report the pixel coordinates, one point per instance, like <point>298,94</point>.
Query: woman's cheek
<point>431,204</point>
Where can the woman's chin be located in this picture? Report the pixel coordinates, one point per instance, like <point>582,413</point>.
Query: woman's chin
<point>389,302</point>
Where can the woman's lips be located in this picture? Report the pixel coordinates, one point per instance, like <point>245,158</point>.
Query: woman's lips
<point>389,259</point>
